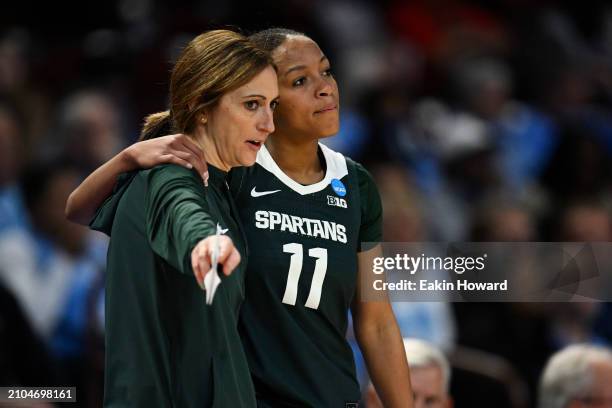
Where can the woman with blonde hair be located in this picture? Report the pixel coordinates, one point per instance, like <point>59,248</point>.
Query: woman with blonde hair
<point>167,342</point>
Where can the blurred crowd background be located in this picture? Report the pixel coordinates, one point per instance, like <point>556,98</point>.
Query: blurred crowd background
<point>480,121</point>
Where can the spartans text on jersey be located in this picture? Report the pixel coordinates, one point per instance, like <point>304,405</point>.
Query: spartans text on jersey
<point>298,225</point>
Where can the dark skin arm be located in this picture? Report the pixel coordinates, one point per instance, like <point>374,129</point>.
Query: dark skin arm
<point>380,341</point>
<point>90,194</point>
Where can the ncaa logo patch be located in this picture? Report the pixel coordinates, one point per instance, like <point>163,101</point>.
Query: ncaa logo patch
<point>338,187</point>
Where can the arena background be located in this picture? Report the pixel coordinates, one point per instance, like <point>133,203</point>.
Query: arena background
<point>480,121</point>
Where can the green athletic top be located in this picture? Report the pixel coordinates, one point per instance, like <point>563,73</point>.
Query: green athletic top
<point>164,346</point>
<point>302,272</point>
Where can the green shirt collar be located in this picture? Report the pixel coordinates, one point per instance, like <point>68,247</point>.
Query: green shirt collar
<point>216,176</point>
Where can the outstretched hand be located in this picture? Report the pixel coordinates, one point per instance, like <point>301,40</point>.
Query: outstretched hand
<point>201,256</point>
<point>178,149</point>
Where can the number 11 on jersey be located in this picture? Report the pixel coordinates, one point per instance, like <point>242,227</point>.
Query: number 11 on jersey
<point>295,270</point>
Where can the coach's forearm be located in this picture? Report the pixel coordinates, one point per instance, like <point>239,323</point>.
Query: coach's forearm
<point>383,350</point>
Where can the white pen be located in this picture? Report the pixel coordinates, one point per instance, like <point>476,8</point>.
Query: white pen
<point>212,279</point>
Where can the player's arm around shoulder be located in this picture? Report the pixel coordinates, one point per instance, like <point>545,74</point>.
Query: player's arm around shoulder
<point>179,149</point>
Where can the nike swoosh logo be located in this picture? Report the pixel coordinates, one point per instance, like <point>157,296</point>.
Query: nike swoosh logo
<point>262,193</point>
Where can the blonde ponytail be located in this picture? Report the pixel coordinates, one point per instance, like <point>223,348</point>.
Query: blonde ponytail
<point>156,125</point>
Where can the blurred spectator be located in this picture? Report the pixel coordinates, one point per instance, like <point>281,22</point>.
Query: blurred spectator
<point>516,332</point>
<point>500,218</point>
<point>580,167</point>
<point>577,376</point>
<point>451,157</point>
<point>575,322</point>
<point>12,213</point>
<point>402,203</point>
<point>358,54</point>
<point>523,138</point>
<point>585,221</point>
<point>54,267</point>
<point>429,375</point>
<point>16,84</point>
<point>446,30</point>
<point>24,358</point>
<point>404,221</point>
<point>90,129</point>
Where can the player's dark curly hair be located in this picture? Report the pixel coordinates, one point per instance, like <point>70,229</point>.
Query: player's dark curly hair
<point>270,38</point>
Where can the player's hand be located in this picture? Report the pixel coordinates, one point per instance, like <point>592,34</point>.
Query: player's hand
<point>178,149</point>
<point>201,256</point>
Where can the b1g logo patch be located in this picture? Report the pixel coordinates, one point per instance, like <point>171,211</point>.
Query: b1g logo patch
<point>336,202</point>
<point>338,187</point>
